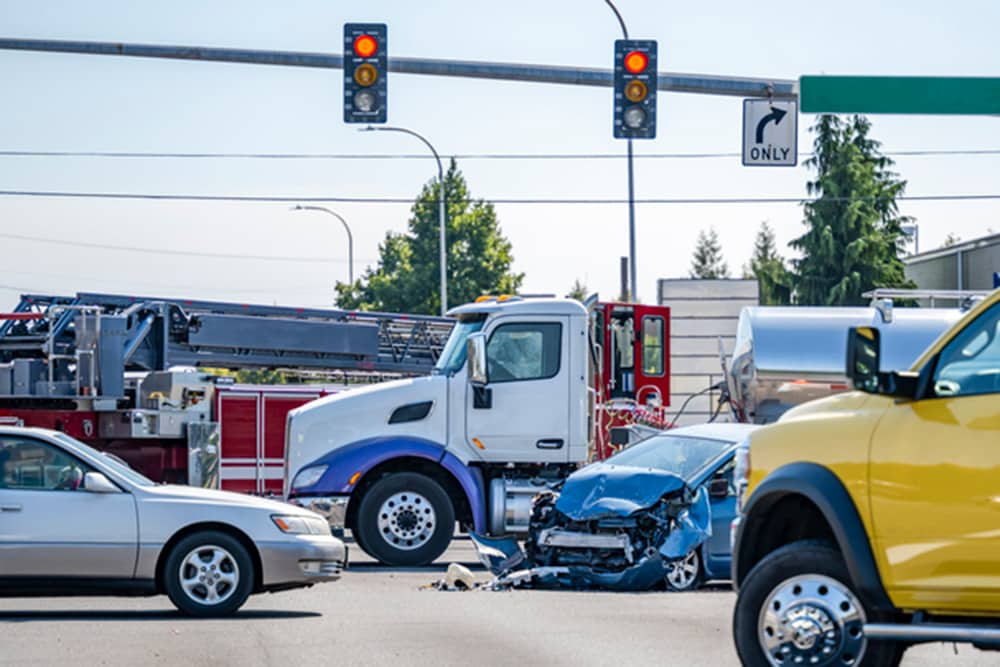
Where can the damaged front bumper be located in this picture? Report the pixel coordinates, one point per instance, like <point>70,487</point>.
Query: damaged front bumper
<point>606,541</point>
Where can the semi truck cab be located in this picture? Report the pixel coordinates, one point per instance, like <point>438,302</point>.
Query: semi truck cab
<point>399,462</point>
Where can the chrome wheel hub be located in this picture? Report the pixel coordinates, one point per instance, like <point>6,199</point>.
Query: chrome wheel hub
<point>209,575</point>
<point>812,620</point>
<point>406,520</point>
<point>682,573</point>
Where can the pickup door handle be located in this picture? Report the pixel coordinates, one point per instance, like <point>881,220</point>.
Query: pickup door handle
<point>10,508</point>
<point>555,443</point>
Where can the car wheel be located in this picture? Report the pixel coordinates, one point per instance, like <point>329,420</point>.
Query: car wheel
<point>685,574</point>
<point>208,573</point>
<point>405,519</point>
<point>797,606</point>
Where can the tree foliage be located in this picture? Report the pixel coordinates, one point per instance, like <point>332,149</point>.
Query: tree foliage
<point>854,240</point>
<point>707,262</point>
<point>768,268</point>
<point>407,278</point>
<point>578,291</point>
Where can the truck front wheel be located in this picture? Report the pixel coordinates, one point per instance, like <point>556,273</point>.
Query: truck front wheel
<point>405,519</point>
<point>796,606</point>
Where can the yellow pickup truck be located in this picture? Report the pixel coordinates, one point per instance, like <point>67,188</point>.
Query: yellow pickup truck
<point>870,521</point>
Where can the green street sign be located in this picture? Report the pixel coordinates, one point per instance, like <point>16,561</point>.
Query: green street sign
<point>900,94</point>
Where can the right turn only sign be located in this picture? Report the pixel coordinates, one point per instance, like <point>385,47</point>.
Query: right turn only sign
<point>770,133</point>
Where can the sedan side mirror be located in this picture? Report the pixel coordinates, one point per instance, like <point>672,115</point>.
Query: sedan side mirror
<point>718,488</point>
<point>96,482</point>
<point>476,352</point>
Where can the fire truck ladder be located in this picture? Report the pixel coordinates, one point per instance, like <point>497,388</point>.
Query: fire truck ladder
<point>82,345</point>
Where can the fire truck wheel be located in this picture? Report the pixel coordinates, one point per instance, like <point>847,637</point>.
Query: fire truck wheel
<point>208,573</point>
<point>405,519</point>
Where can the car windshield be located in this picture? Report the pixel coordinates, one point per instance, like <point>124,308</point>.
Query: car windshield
<point>680,454</point>
<point>108,460</point>
<point>453,355</point>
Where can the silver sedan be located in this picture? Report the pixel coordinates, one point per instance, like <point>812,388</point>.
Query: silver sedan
<point>74,521</point>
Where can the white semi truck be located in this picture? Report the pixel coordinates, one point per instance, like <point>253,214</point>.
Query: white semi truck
<point>400,462</point>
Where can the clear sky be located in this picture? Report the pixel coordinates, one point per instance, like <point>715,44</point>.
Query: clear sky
<point>98,103</point>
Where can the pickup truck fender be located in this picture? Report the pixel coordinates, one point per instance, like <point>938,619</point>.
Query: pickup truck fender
<point>821,487</point>
<point>350,464</point>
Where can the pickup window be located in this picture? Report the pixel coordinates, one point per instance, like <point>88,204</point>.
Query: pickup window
<point>970,363</point>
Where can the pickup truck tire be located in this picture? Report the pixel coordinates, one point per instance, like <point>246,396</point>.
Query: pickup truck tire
<point>797,605</point>
<point>208,573</point>
<point>405,519</point>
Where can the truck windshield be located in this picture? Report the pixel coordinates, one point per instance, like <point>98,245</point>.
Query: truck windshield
<point>453,355</point>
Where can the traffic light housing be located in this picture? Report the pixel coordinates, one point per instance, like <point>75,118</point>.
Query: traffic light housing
<point>366,66</point>
<point>635,89</point>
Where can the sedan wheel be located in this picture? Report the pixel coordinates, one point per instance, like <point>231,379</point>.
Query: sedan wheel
<point>685,574</point>
<point>208,574</point>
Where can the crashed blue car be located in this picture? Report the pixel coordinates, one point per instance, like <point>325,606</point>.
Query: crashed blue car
<point>633,522</point>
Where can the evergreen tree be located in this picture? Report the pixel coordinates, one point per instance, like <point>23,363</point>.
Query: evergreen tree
<point>951,239</point>
<point>768,268</point>
<point>407,279</point>
<point>578,291</point>
<point>854,240</point>
<point>707,261</point>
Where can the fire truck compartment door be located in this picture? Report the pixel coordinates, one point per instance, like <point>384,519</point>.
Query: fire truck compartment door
<point>526,418</point>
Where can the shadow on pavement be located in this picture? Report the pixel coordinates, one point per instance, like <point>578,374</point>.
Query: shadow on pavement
<point>435,568</point>
<point>143,615</point>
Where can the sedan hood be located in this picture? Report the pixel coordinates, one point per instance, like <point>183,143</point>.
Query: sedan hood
<point>603,490</point>
<point>179,493</point>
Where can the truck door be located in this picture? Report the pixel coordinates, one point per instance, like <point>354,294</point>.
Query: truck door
<point>935,480</point>
<point>523,413</point>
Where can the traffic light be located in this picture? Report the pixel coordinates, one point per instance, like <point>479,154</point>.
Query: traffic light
<point>635,89</point>
<point>366,66</point>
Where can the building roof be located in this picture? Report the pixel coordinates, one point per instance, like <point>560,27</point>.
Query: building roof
<point>960,247</point>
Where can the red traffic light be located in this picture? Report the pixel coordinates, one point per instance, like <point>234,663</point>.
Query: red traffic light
<point>365,46</point>
<point>635,61</point>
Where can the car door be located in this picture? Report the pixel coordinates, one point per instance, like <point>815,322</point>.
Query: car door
<point>523,414</point>
<point>717,550</point>
<point>935,479</point>
<point>50,526</point>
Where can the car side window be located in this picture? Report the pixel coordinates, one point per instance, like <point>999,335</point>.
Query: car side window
<point>29,464</point>
<point>524,351</point>
<point>970,363</point>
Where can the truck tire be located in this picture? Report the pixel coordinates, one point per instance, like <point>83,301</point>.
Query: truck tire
<point>208,573</point>
<point>405,519</point>
<point>789,604</point>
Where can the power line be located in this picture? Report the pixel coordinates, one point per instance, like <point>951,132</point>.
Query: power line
<point>457,156</point>
<point>185,253</point>
<point>409,201</point>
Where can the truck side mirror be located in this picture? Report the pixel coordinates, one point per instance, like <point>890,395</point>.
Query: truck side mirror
<point>863,355</point>
<point>476,353</point>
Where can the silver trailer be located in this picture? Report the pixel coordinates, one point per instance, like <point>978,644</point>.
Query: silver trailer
<point>787,355</point>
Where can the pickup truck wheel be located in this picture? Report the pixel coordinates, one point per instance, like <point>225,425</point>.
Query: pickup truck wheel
<point>208,573</point>
<point>797,607</point>
<point>405,519</point>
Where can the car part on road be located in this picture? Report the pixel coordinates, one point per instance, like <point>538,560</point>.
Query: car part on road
<point>797,607</point>
<point>685,574</point>
<point>405,519</point>
<point>208,573</point>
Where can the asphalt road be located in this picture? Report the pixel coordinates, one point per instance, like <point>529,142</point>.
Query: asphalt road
<point>379,616</point>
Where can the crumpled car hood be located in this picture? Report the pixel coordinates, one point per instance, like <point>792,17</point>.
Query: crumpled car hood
<point>602,490</point>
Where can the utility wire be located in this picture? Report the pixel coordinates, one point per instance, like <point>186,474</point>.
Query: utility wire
<point>500,200</point>
<point>457,156</point>
<point>185,253</point>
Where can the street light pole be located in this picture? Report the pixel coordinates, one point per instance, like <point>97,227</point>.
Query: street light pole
<point>443,255</point>
<point>633,290</point>
<point>350,237</point>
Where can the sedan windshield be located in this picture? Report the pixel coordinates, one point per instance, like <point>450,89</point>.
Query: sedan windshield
<point>680,454</point>
<point>108,460</point>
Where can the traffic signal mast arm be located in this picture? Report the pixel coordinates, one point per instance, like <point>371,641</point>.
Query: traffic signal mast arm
<point>579,76</point>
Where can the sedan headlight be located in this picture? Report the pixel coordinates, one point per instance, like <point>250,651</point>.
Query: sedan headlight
<point>301,525</point>
<point>308,476</point>
<point>741,472</point>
